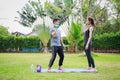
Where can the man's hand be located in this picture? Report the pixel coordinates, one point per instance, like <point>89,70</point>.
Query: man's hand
<point>54,33</point>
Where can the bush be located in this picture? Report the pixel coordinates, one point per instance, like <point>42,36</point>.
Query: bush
<point>11,42</point>
<point>107,41</point>
<point>31,42</point>
<point>4,31</point>
<point>65,41</point>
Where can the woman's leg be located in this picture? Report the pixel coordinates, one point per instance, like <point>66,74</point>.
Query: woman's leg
<point>89,57</point>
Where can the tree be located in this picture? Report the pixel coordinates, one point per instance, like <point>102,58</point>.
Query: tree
<point>54,11</point>
<point>43,34</point>
<point>27,16</point>
<point>75,35</point>
<point>90,8</point>
<point>116,9</point>
<point>116,5</point>
<point>107,18</point>
<point>4,31</point>
<point>32,12</point>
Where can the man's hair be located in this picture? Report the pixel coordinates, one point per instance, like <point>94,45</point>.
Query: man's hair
<point>54,20</point>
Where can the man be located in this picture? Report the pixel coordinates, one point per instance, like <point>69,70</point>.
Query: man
<point>56,44</point>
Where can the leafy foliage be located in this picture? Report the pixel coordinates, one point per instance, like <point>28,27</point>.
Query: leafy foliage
<point>4,31</point>
<point>43,33</point>
<point>59,9</point>
<point>10,42</point>
<point>75,35</point>
<point>107,41</point>
<point>27,16</point>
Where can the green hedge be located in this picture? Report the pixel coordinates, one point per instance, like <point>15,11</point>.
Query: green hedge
<point>10,42</point>
<point>107,41</point>
<point>102,41</point>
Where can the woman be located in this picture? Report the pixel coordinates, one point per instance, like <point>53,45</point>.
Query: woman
<point>87,43</point>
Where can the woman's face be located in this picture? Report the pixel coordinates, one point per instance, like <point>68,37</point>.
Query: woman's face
<point>88,22</point>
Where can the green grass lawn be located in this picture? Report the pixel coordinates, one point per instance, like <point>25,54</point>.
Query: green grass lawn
<point>16,66</point>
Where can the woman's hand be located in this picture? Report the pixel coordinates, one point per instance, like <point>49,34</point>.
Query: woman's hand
<point>86,47</point>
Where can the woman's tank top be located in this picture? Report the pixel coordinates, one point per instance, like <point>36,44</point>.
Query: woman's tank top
<point>86,35</point>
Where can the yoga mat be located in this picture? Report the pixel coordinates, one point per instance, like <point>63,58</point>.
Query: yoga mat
<point>73,70</point>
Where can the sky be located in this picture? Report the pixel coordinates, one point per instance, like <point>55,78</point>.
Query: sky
<point>8,12</point>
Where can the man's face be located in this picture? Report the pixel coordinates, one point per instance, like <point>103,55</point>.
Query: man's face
<point>57,22</point>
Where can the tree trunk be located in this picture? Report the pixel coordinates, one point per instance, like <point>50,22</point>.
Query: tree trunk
<point>81,15</point>
<point>72,49</point>
<point>45,49</point>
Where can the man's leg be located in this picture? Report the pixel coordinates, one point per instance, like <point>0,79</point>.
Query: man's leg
<point>54,51</point>
<point>61,55</point>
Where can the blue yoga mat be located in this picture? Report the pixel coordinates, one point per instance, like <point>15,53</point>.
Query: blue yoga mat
<point>69,70</point>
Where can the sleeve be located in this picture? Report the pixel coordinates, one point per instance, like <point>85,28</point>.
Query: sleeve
<point>61,31</point>
<point>91,28</point>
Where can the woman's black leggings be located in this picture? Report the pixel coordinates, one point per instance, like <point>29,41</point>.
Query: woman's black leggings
<point>89,57</point>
